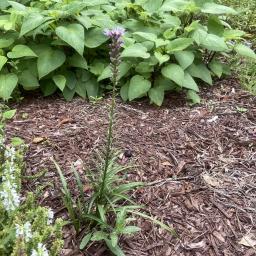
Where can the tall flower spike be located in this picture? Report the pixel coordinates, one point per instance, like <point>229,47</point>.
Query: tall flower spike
<point>115,35</point>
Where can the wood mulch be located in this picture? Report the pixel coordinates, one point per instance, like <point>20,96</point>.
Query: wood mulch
<point>199,163</point>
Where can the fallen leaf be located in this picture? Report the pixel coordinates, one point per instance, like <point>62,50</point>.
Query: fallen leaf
<point>166,163</point>
<point>212,181</point>
<point>37,140</point>
<point>248,240</point>
<point>197,245</point>
<point>219,236</point>
<point>64,121</point>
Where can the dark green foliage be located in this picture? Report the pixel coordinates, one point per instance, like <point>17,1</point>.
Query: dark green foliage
<point>60,47</point>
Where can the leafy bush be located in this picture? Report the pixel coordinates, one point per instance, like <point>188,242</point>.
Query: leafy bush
<point>26,228</point>
<point>169,45</point>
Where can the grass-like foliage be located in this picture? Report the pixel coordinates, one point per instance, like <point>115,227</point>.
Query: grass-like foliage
<point>25,227</point>
<point>169,46</point>
<point>100,214</point>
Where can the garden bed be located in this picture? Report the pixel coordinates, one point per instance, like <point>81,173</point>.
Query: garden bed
<point>199,163</point>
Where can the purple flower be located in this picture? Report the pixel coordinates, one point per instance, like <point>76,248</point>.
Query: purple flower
<point>114,33</point>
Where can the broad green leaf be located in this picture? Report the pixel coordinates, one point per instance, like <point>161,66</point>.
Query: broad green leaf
<point>216,67</point>
<point>8,83</point>
<point>17,6</point>
<point>173,5</point>
<point>174,72</point>
<point>179,44</point>
<point>123,69</point>
<point>73,35</point>
<point>60,81</point>
<point>164,83</point>
<point>6,42</point>
<point>199,35</point>
<point>92,88</point>
<point>28,80</point>
<point>136,51</point>
<point>213,8</point>
<point>4,4</point>
<point>171,21</point>
<point>71,79</point>
<point>231,34</point>
<point>138,87</point>
<point>86,239</point>
<point>85,21</point>
<point>184,58</point>
<point>68,93</point>
<point>170,33</point>
<point>124,92</point>
<point>32,21</point>
<point>3,60</point>
<point>144,67</point>
<point>94,38</point>
<point>245,51</point>
<point>162,58</point>
<point>189,82</point>
<point>193,96</point>
<point>200,71</point>
<point>161,42</point>
<point>215,26</point>
<point>97,67</point>
<point>147,36</point>
<point>19,51</point>
<point>48,87</point>
<point>77,61</point>
<point>49,60</point>
<point>148,44</point>
<point>193,26</point>
<point>152,5</point>
<point>214,43</point>
<point>9,114</point>
<point>156,95</point>
<point>102,21</point>
<point>81,89</point>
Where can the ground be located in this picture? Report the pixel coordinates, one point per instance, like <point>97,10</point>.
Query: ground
<point>199,164</point>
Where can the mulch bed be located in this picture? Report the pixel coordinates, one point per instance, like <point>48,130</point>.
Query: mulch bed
<point>199,163</point>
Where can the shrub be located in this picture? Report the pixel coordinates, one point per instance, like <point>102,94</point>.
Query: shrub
<point>169,45</point>
<point>26,228</point>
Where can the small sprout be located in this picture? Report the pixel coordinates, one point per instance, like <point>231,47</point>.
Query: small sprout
<point>241,109</point>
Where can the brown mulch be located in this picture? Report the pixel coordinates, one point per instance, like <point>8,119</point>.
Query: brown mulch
<point>199,163</point>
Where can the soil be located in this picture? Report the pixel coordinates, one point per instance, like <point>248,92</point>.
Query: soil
<point>199,164</point>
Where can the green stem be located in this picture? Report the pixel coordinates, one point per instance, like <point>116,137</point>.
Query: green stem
<point>110,132</point>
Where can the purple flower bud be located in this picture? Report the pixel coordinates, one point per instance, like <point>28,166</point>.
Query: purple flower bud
<point>115,35</point>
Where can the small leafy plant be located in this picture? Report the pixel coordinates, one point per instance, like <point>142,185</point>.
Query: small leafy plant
<point>25,227</point>
<point>169,46</point>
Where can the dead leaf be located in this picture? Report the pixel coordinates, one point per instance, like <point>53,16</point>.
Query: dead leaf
<point>64,121</point>
<point>219,236</point>
<point>166,163</point>
<point>197,245</point>
<point>248,240</point>
<point>38,140</point>
<point>212,181</point>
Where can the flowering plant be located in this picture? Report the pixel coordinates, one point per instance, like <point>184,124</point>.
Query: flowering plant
<point>26,229</point>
